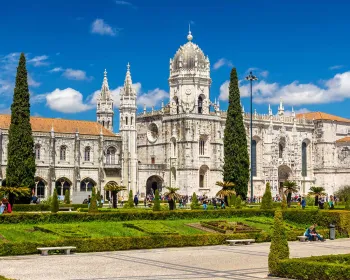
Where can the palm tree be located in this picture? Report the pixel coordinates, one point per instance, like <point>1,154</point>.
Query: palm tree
<point>317,192</point>
<point>13,193</point>
<point>226,190</point>
<point>114,188</point>
<point>291,187</point>
<point>172,196</point>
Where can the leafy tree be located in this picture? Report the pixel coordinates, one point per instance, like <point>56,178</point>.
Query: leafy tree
<point>14,192</point>
<point>233,199</point>
<point>67,197</point>
<point>238,202</point>
<point>279,249</point>
<point>114,188</point>
<point>172,196</point>
<point>266,202</point>
<point>54,202</point>
<point>20,169</point>
<point>194,202</point>
<point>130,202</point>
<point>93,202</point>
<point>291,187</point>
<point>347,204</point>
<point>226,190</point>
<point>236,166</point>
<point>343,193</point>
<point>317,192</point>
<point>156,205</point>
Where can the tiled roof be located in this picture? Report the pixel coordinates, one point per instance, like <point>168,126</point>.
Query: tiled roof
<point>321,116</point>
<point>60,126</point>
<point>343,140</point>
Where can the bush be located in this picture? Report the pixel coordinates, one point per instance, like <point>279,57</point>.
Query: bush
<point>130,202</point>
<point>347,204</point>
<point>93,202</point>
<point>43,207</point>
<point>194,202</point>
<point>284,204</point>
<point>98,198</point>
<point>335,267</point>
<point>67,197</point>
<point>238,204</point>
<point>267,202</point>
<point>156,205</point>
<point>54,202</point>
<point>279,249</point>
<point>232,200</point>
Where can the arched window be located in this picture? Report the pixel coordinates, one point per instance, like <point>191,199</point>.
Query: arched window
<point>107,124</point>
<point>254,158</point>
<point>177,105</point>
<point>110,156</point>
<point>87,153</point>
<point>203,177</point>
<point>173,147</point>
<point>201,147</point>
<point>303,159</point>
<point>131,121</point>
<point>63,152</point>
<point>280,150</point>
<point>126,120</point>
<point>37,151</point>
<point>103,123</point>
<point>87,184</point>
<point>200,105</point>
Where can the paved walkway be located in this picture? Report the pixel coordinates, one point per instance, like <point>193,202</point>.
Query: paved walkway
<point>213,262</point>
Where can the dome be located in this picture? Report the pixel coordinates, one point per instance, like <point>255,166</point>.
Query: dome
<point>187,56</point>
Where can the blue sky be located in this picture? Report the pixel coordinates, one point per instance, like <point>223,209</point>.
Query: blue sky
<point>298,49</point>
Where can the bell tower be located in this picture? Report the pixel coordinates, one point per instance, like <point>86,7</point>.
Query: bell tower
<point>105,111</point>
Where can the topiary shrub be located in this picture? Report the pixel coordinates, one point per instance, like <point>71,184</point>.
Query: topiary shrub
<point>238,204</point>
<point>194,202</point>
<point>98,198</point>
<point>54,202</point>
<point>130,202</point>
<point>156,205</point>
<point>279,249</point>
<point>67,197</point>
<point>267,202</point>
<point>233,199</point>
<point>93,202</point>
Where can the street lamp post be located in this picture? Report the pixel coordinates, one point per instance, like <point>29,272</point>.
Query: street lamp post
<point>251,78</point>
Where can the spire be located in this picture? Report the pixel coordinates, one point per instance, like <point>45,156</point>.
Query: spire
<point>189,36</point>
<point>293,112</point>
<point>270,110</point>
<point>281,108</point>
<point>105,94</point>
<point>128,90</point>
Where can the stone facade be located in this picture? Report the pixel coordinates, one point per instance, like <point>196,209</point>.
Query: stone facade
<point>181,145</point>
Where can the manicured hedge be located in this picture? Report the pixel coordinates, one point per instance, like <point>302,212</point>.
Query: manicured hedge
<point>127,243</point>
<point>333,267</point>
<point>42,207</point>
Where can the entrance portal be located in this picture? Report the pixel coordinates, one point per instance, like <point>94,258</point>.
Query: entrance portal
<point>153,183</point>
<point>284,174</point>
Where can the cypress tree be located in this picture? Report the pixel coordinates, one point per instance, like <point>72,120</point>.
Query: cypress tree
<point>266,202</point>
<point>130,202</point>
<point>156,205</point>
<point>238,202</point>
<point>54,202</point>
<point>236,166</point>
<point>67,197</point>
<point>93,202</point>
<point>98,198</point>
<point>233,200</point>
<point>20,169</point>
<point>279,249</point>
<point>284,204</point>
<point>194,202</point>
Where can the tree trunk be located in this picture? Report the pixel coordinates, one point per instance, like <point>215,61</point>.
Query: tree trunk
<point>316,200</point>
<point>289,199</point>
<point>226,201</point>
<point>114,197</point>
<point>171,204</point>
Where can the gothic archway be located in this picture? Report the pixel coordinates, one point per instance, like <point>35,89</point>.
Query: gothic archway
<point>40,187</point>
<point>284,174</point>
<point>63,184</point>
<point>153,183</point>
<point>87,184</point>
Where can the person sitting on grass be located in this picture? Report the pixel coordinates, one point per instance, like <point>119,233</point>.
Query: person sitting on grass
<point>312,234</point>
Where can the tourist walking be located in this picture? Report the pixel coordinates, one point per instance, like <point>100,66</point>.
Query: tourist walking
<point>136,200</point>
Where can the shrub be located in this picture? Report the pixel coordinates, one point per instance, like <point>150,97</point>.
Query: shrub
<point>67,197</point>
<point>194,202</point>
<point>267,202</point>
<point>130,202</point>
<point>238,204</point>
<point>156,205</point>
<point>93,202</point>
<point>335,267</point>
<point>98,198</point>
<point>347,204</point>
<point>284,204</point>
<point>233,200</point>
<point>43,207</point>
<point>279,249</point>
<point>54,202</point>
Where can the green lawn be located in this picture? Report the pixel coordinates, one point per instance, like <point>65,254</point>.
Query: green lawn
<point>26,232</point>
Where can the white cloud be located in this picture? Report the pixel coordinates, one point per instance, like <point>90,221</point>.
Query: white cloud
<point>75,74</point>
<point>336,67</point>
<point>102,28</point>
<point>299,111</point>
<point>333,90</point>
<point>152,97</point>
<point>40,60</point>
<point>56,69</point>
<point>222,62</point>
<point>32,82</point>
<point>67,101</point>
<point>264,73</point>
<point>125,3</point>
<point>8,65</point>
